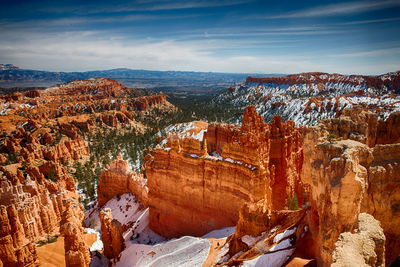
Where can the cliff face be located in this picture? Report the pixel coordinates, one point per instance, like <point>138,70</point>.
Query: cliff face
<point>338,183</point>
<point>347,178</point>
<point>117,179</point>
<point>383,194</point>
<point>216,175</point>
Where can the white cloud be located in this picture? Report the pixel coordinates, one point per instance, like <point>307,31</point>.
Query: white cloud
<point>370,21</point>
<point>340,9</point>
<point>376,52</point>
<point>84,51</point>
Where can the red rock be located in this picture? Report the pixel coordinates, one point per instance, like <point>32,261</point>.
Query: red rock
<point>69,130</point>
<point>32,94</point>
<point>142,103</point>
<point>212,191</point>
<point>47,139</point>
<point>76,251</point>
<point>117,179</point>
<point>109,120</point>
<point>111,234</point>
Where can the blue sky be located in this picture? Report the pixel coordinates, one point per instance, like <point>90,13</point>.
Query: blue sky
<point>360,37</point>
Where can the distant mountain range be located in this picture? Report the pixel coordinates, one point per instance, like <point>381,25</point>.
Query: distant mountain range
<point>189,81</point>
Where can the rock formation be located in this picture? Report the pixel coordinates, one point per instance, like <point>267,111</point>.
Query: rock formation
<point>220,173</point>
<point>111,234</point>
<point>76,251</point>
<point>366,247</point>
<point>390,80</point>
<point>346,178</point>
<point>117,179</point>
<point>44,133</point>
<point>271,171</point>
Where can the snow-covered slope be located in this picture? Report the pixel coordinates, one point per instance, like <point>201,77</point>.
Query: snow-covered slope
<point>310,97</point>
<point>143,247</point>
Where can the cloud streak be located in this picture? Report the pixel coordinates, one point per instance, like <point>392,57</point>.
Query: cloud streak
<point>45,52</point>
<point>340,9</point>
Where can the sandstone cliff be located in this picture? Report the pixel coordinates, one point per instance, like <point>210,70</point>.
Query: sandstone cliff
<point>346,178</point>
<point>117,179</point>
<point>196,186</point>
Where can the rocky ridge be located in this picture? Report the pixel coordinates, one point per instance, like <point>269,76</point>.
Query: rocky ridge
<point>307,98</point>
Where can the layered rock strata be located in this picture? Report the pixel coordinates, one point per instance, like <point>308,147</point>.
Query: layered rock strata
<point>117,179</point>
<point>196,186</point>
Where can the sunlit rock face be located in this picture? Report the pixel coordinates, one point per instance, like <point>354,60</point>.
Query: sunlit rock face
<point>44,133</point>
<point>117,179</point>
<point>76,251</point>
<point>364,247</point>
<point>111,234</point>
<point>197,185</point>
<point>347,177</point>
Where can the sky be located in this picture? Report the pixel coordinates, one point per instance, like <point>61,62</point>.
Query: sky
<point>348,37</point>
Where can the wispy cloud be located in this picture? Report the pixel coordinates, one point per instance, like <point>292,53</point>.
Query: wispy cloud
<point>340,9</point>
<point>137,6</point>
<point>86,51</point>
<point>370,21</point>
<point>370,53</point>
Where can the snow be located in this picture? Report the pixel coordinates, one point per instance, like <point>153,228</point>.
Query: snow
<point>220,233</point>
<point>125,209</point>
<point>296,96</point>
<point>272,259</point>
<point>185,251</point>
<point>200,135</point>
<point>249,240</point>
<point>229,160</point>
<point>194,155</point>
<point>285,234</point>
<point>335,159</point>
<point>143,247</point>
<point>216,155</point>
<point>98,244</point>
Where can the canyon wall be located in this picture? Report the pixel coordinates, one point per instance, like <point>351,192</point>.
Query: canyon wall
<point>117,179</point>
<point>348,177</point>
<point>196,186</point>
